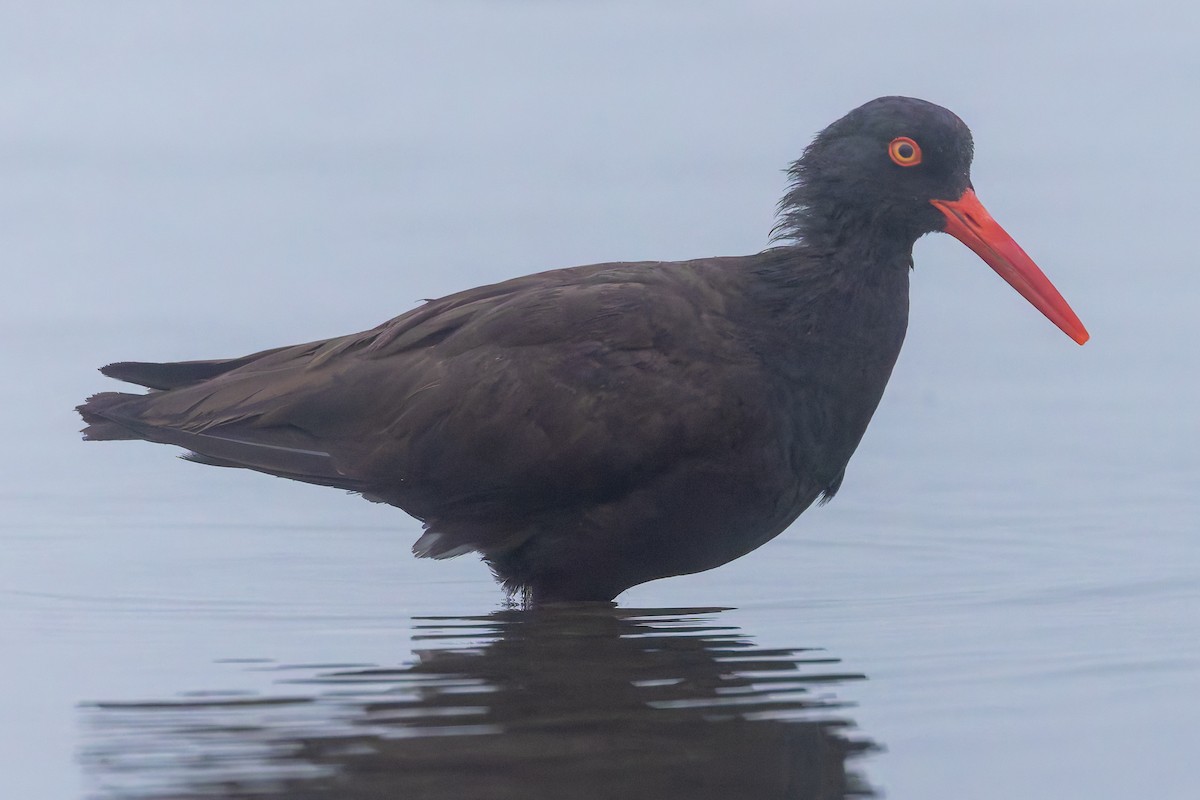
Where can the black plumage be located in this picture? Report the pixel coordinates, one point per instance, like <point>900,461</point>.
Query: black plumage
<point>589,429</point>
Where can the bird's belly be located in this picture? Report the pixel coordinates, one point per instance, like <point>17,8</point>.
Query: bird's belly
<point>686,521</point>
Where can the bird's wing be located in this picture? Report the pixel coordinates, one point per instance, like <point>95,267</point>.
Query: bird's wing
<point>546,390</point>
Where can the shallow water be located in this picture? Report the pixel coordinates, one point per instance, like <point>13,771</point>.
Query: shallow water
<point>567,702</point>
<point>1001,601</point>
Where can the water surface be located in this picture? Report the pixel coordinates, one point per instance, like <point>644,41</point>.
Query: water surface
<point>564,702</point>
<point>1012,559</point>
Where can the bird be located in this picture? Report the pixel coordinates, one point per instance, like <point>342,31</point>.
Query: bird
<point>592,428</point>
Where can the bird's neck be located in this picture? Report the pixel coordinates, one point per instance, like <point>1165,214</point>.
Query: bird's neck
<point>869,237</point>
<point>797,280</point>
<point>835,321</point>
<point>842,312</point>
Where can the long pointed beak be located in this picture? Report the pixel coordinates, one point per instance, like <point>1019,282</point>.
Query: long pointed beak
<point>969,222</point>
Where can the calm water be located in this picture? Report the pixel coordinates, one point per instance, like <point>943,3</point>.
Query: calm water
<point>570,702</point>
<point>1003,601</point>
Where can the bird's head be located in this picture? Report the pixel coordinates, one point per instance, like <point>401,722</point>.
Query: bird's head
<point>893,170</point>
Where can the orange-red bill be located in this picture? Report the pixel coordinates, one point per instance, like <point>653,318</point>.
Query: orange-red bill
<point>969,222</point>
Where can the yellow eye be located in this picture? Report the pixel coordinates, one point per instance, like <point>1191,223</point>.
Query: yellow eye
<point>904,151</point>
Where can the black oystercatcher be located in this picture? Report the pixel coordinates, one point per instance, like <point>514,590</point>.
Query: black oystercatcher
<point>592,428</point>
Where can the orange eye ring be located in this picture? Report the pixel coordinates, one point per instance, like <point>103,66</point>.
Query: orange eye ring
<point>904,151</point>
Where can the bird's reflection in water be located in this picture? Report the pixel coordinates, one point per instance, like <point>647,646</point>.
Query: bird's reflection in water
<point>567,702</point>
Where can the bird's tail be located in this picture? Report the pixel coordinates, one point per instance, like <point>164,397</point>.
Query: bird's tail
<point>100,428</point>
<point>158,377</point>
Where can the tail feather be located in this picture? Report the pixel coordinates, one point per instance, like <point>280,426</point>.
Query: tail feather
<point>177,374</point>
<point>221,417</point>
<point>320,479</point>
<point>276,450</point>
<point>101,428</point>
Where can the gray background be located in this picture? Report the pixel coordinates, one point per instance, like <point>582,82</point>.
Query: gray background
<point>1012,559</point>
